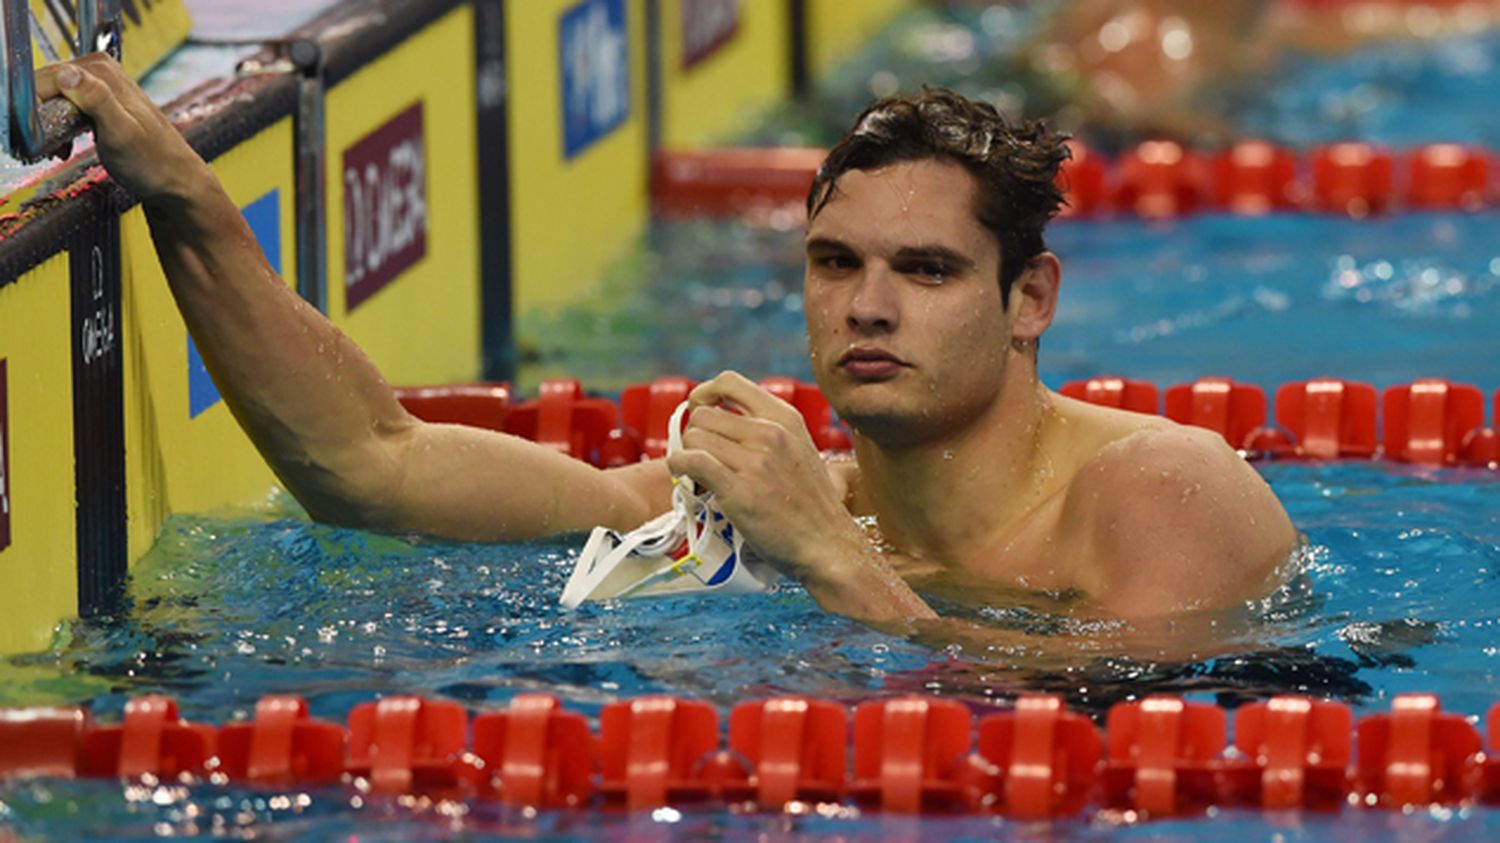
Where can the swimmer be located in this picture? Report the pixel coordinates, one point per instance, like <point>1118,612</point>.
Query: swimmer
<point>1178,68</point>
<point>928,288</point>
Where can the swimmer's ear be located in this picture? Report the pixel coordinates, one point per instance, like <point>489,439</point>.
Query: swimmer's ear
<point>1033,298</point>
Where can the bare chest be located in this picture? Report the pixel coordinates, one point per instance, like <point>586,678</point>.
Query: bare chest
<point>1030,553</point>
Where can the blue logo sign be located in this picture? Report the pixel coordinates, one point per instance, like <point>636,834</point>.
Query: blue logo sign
<point>595,50</point>
<point>264,216</point>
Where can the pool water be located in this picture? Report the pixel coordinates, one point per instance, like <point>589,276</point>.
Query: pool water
<point>1396,590</point>
<point>1263,300</point>
<point>1395,593</point>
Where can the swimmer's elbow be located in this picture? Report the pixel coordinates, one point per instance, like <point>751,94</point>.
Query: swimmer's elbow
<point>361,485</point>
<point>636,494</point>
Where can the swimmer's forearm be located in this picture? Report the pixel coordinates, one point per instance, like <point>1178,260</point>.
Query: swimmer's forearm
<point>860,582</point>
<point>310,400</point>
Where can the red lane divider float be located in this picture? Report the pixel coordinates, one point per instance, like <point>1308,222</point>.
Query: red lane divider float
<point>785,750</point>
<point>1082,179</point>
<point>647,408</point>
<point>1253,177</point>
<point>910,755</point>
<point>1352,178</point>
<point>483,405</point>
<point>732,182</point>
<point>1447,175</point>
<point>1161,179</point>
<point>1299,749</point>
<point>1328,418</point>
<point>41,742</point>
<point>151,739</point>
<point>1417,755</point>
<point>652,751</point>
<point>282,745</point>
<point>1432,421</point>
<point>409,744</point>
<point>536,754</point>
<point>1165,756</point>
<point>1044,757</point>
<point>1161,756</point>
<point>1156,178</point>
<point>1235,411</point>
<point>1489,791</point>
<point>1117,393</point>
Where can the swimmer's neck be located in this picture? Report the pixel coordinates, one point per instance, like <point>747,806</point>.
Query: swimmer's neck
<point>945,500</point>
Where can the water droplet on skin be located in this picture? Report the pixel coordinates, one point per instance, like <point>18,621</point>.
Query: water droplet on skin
<point>947,455</point>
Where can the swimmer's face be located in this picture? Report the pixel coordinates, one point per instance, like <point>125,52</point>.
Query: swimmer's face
<point>906,330</point>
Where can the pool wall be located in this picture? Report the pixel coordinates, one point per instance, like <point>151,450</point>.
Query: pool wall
<point>153,30</point>
<point>509,146</point>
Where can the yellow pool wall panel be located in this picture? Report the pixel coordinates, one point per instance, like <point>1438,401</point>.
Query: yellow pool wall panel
<point>178,461</point>
<point>837,28</point>
<point>163,25</point>
<point>39,567</point>
<point>424,325</point>
<point>724,93</point>
<point>571,217</point>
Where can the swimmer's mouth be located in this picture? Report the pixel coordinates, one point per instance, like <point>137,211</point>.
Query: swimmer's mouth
<point>871,363</point>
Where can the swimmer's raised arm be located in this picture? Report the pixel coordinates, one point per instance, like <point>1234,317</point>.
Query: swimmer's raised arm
<point>769,478</point>
<point>310,400</point>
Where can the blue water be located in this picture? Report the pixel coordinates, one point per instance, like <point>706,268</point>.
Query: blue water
<point>1396,591</point>
<point>1374,93</point>
<point>1263,300</point>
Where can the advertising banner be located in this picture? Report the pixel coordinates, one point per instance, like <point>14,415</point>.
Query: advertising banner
<point>595,50</point>
<point>385,205</point>
<point>707,25</point>
<point>98,414</point>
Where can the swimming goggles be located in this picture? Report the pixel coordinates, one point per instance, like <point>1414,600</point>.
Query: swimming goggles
<point>688,550</point>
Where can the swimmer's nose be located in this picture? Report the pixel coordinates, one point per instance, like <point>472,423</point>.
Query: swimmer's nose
<point>874,306</point>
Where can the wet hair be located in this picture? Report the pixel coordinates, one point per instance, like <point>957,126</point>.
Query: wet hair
<point>1014,167</point>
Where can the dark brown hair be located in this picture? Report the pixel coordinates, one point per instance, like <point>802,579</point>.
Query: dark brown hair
<point>1014,167</point>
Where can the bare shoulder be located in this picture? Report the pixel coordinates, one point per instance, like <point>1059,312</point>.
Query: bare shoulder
<point>1173,519</point>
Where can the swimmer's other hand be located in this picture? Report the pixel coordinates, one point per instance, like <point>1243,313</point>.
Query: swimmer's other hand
<point>138,145</point>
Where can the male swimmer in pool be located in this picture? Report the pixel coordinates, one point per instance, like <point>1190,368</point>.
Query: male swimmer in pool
<point>928,287</point>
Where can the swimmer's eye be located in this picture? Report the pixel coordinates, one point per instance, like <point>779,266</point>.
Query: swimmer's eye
<point>836,262</point>
<point>928,272</point>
